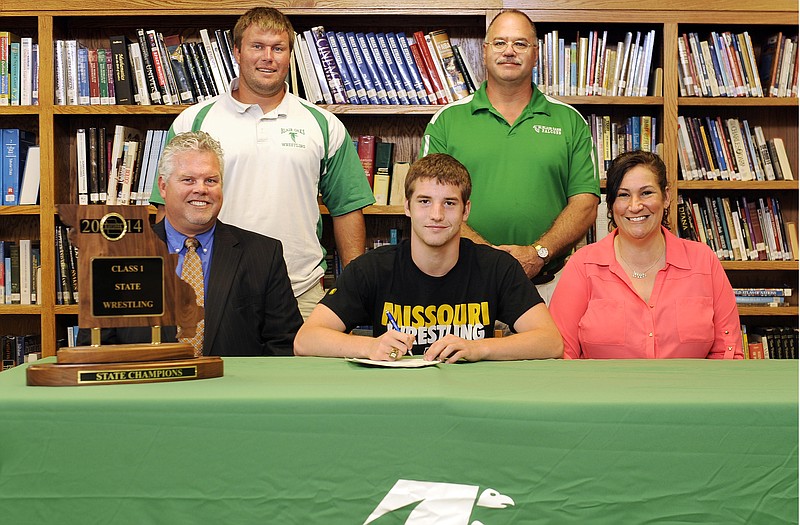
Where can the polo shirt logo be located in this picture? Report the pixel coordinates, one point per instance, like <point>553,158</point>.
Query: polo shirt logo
<point>437,503</point>
<point>548,130</point>
<point>292,133</point>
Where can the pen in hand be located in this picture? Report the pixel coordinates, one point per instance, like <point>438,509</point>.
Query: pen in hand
<point>394,326</point>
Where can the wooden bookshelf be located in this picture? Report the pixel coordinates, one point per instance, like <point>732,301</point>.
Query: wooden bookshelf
<point>94,21</point>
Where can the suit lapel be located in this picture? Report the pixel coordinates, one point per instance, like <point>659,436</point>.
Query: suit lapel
<point>224,267</point>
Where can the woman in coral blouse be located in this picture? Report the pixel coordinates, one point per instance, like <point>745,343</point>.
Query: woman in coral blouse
<point>641,292</point>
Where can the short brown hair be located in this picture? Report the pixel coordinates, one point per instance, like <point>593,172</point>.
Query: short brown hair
<point>442,168</point>
<point>268,19</point>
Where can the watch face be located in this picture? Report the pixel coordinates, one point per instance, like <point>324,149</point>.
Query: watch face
<point>542,252</point>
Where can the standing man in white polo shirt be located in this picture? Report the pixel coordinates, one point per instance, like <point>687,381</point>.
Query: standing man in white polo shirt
<point>281,152</point>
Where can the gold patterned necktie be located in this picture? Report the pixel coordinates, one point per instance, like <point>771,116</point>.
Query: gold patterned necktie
<point>192,273</point>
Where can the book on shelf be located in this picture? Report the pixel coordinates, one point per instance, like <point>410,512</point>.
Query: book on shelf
<point>225,44</point>
<point>776,144</point>
<point>92,165</point>
<point>397,191</point>
<point>378,69</point>
<point>214,67</point>
<point>13,72</point>
<point>330,69</point>
<point>454,77</point>
<point>406,79</point>
<point>739,229</point>
<point>120,58</point>
<point>348,85</point>
<point>463,65</point>
<point>384,153</point>
<point>436,79</point>
<point>88,77</point>
<point>318,69</point>
<point>82,166</point>
<point>153,88</point>
<point>159,69</point>
<point>15,143</point>
<point>29,187</point>
<point>350,65</point>
<point>413,67</point>
<point>71,76</point>
<point>194,51</point>
<point>179,69</point>
<point>423,70</point>
<point>6,39</point>
<point>205,68</point>
<point>367,148</point>
<point>141,90</point>
<point>311,83</point>
<point>105,81</point>
<point>122,135</point>
<point>26,71</point>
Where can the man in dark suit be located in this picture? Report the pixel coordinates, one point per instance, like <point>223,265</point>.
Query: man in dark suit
<point>249,306</point>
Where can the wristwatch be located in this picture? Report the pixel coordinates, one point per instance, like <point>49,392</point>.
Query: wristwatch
<point>542,252</point>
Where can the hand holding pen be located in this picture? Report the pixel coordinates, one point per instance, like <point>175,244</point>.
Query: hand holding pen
<point>399,342</point>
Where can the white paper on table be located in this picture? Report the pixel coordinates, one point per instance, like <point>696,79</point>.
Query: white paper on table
<point>400,363</point>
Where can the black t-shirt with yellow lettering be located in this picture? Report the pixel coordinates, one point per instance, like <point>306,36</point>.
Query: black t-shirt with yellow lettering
<point>485,285</point>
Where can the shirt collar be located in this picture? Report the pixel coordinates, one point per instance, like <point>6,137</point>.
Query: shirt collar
<point>539,103</point>
<point>281,111</point>
<point>175,239</point>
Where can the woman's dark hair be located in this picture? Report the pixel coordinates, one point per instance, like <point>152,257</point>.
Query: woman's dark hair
<point>622,165</point>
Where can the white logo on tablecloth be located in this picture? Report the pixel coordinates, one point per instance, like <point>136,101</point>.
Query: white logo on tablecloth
<point>438,503</point>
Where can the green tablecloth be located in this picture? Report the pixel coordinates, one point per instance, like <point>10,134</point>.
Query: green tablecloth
<point>323,441</point>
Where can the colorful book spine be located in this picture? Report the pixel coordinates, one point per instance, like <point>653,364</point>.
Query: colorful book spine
<point>416,75</point>
<point>371,59</point>
<point>330,68</point>
<point>355,73</point>
<point>347,79</point>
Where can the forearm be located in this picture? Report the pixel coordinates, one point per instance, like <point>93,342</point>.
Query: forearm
<point>349,232</point>
<point>327,342</point>
<point>571,224</point>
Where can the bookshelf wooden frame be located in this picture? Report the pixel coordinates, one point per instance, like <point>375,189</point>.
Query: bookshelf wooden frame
<point>53,18</point>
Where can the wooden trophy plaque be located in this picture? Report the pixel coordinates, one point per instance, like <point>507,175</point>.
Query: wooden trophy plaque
<point>127,279</point>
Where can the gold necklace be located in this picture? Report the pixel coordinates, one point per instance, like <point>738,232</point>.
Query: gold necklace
<point>643,273</point>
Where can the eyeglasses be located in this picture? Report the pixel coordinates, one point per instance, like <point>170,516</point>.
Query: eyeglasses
<point>499,45</point>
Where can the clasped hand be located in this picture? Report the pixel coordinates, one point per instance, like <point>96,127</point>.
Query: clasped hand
<point>527,257</point>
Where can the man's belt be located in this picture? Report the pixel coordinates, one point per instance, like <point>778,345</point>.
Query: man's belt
<point>548,275</point>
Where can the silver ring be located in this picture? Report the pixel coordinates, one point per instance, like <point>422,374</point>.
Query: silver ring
<point>393,354</point>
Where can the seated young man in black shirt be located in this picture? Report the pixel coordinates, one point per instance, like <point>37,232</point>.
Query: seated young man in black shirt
<point>443,291</point>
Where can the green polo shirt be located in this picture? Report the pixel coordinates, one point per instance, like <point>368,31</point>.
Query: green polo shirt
<point>522,174</point>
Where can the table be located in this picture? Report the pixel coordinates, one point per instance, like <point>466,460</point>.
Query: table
<point>323,441</point>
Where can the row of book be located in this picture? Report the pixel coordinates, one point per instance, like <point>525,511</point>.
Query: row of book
<point>19,70</point>
<point>778,66</point>
<point>593,65</point>
<point>763,296</point>
<point>711,148</point>
<point>337,67</point>
<point>18,349</point>
<point>118,169</point>
<point>613,138</point>
<point>739,229</point>
<point>16,145</point>
<point>385,176</point>
<point>66,268</point>
<point>152,69</point>
<point>20,274</point>
<point>725,65</point>
<point>770,342</point>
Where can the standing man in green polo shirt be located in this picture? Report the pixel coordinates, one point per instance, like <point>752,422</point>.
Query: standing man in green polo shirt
<point>534,174</point>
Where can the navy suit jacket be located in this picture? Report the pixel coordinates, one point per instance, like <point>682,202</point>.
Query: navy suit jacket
<point>250,309</point>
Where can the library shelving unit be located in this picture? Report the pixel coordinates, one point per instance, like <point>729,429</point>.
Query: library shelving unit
<point>92,22</point>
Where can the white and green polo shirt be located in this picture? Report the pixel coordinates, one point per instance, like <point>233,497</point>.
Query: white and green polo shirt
<point>275,166</point>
